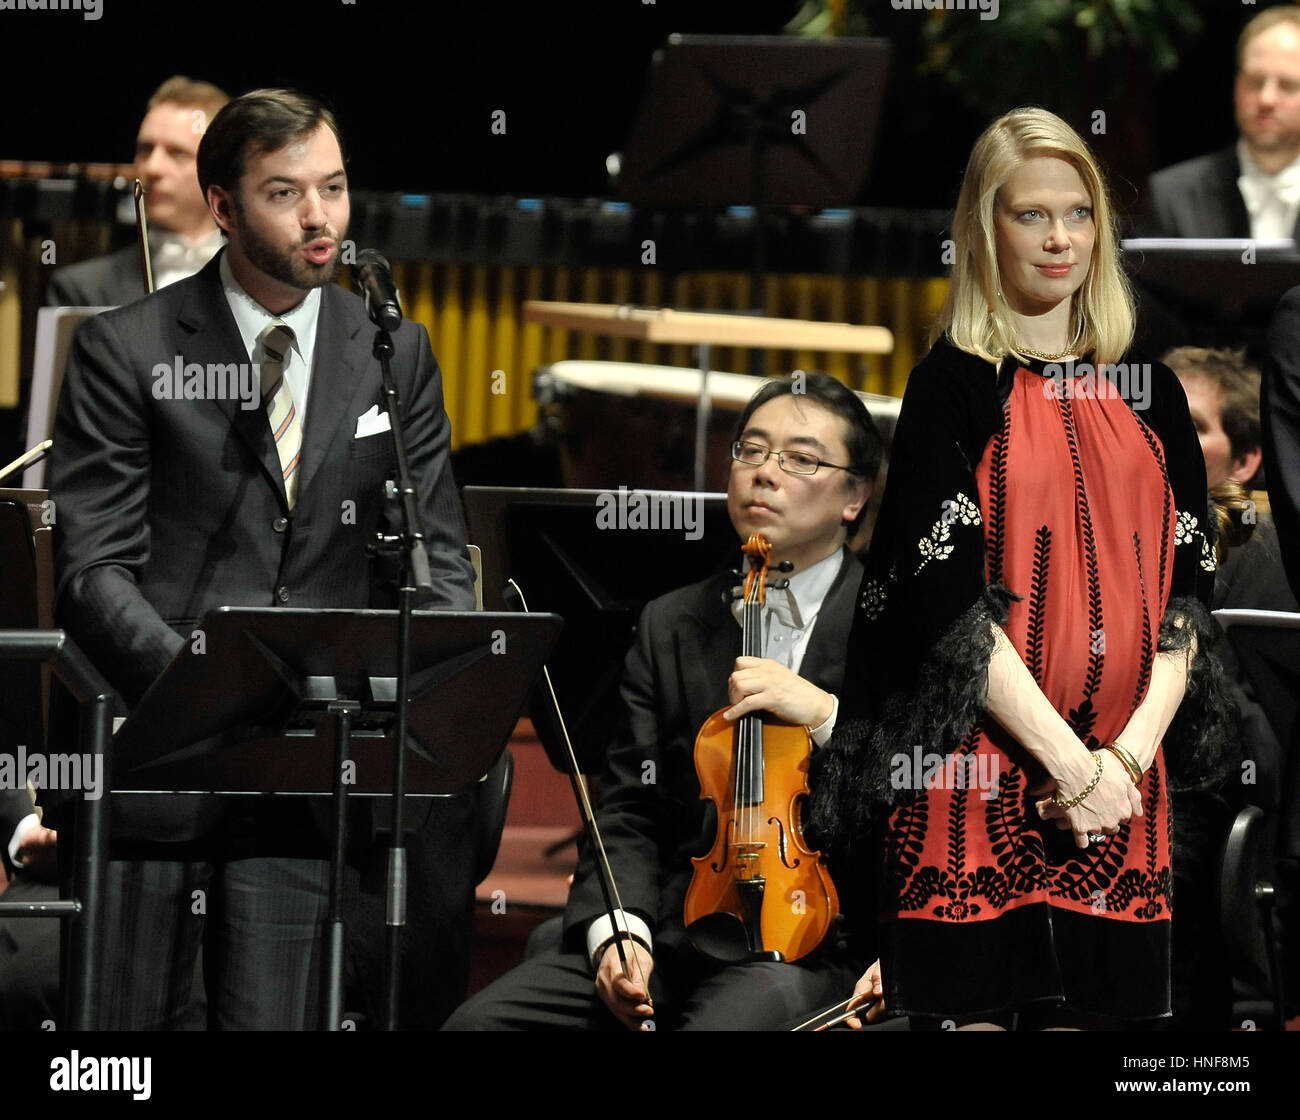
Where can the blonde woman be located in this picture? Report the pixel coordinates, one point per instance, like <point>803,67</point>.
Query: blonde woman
<point>1030,622</point>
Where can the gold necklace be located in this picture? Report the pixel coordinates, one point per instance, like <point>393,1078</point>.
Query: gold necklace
<point>1045,357</point>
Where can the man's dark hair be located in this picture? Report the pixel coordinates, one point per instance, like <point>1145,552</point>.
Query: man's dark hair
<point>861,435</point>
<point>263,120</point>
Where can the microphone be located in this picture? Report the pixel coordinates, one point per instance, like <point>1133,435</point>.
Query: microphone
<point>376,279</point>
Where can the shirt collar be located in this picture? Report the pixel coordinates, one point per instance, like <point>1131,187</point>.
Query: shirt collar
<point>251,317</point>
<point>798,605</point>
<point>1285,183</point>
<point>173,247</point>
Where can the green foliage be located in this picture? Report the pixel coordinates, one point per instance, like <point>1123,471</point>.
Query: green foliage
<point>1039,49</point>
<point>1035,50</point>
<point>821,18</point>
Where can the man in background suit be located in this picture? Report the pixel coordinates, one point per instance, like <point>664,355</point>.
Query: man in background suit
<point>1280,419</point>
<point>802,470</point>
<point>263,491</point>
<point>1251,189</point>
<point>182,235</point>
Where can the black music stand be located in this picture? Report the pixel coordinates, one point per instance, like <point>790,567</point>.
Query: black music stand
<point>1203,293</point>
<point>1267,645</point>
<point>597,579</point>
<point>249,707</point>
<point>718,127</point>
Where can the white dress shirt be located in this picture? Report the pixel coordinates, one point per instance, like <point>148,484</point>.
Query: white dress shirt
<point>174,258</point>
<point>251,318</point>
<point>19,837</point>
<point>1272,201</point>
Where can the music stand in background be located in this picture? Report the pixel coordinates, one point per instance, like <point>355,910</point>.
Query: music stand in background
<point>717,122</point>
<point>1267,645</point>
<point>271,700</point>
<point>597,579</point>
<point>1201,292</point>
<point>54,328</point>
<point>719,125</point>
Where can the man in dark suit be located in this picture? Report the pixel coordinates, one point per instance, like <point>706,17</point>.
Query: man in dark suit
<point>802,470</point>
<point>1280,418</point>
<point>1251,189</point>
<point>225,441</point>
<point>182,235</point>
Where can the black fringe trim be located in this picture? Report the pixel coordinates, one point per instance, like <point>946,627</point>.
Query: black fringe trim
<point>1203,743</point>
<point>850,780</point>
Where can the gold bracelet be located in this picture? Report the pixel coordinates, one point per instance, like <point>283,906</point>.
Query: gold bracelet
<point>1130,763</point>
<point>1056,797</point>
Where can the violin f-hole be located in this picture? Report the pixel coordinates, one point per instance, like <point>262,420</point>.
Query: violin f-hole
<point>782,847</point>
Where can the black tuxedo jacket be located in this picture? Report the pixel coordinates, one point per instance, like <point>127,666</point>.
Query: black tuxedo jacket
<point>651,817</point>
<point>1280,416</point>
<point>1200,198</point>
<point>167,508</point>
<point>108,281</point>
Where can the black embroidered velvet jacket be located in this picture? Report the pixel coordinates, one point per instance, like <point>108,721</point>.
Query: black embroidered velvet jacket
<point>921,640</point>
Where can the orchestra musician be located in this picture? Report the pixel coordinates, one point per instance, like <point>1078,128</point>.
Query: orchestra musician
<point>182,235</point>
<point>803,465</point>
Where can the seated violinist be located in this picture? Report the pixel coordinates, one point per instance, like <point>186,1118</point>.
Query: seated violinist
<point>804,460</point>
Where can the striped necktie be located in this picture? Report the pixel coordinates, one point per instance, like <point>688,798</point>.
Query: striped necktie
<point>276,340</point>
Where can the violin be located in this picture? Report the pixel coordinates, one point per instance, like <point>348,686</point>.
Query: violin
<point>760,893</point>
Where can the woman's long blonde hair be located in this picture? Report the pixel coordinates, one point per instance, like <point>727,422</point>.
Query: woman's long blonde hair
<point>975,315</point>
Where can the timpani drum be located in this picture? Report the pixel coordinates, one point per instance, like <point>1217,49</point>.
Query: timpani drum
<point>631,424</point>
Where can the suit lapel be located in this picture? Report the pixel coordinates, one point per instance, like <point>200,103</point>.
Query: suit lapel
<point>1230,203</point>
<point>340,358</point>
<point>709,646</point>
<point>215,340</point>
<point>710,640</point>
<point>124,274</point>
<point>823,660</point>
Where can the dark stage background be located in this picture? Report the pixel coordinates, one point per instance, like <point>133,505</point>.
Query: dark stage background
<point>415,85</point>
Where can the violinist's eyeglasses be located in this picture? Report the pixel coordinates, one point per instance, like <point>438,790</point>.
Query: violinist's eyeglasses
<point>792,462</point>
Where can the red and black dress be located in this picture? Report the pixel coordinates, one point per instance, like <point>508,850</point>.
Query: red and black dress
<point>1073,517</point>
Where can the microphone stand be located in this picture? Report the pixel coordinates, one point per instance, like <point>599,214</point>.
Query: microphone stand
<point>415,577</point>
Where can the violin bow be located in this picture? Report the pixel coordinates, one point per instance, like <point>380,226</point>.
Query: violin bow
<point>832,1016</point>
<point>142,232</point>
<point>604,873</point>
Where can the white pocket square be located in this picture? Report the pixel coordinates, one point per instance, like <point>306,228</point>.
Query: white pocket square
<point>372,423</point>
